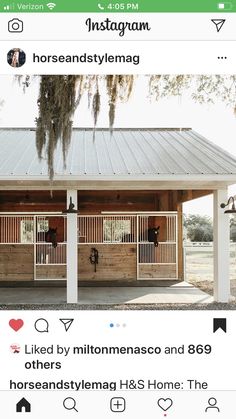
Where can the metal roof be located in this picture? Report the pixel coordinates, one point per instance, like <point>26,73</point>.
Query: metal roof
<point>127,153</point>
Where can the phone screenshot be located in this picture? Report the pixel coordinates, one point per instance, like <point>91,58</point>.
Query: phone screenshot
<point>117,209</point>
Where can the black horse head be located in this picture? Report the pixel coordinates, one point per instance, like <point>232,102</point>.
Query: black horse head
<point>51,236</point>
<point>153,234</point>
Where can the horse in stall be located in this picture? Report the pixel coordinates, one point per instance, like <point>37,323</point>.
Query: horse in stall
<point>43,252</point>
<point>153,234</point>
<point>51,236</point>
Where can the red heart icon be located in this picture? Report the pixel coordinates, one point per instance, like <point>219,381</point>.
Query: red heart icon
<point>16,324</point>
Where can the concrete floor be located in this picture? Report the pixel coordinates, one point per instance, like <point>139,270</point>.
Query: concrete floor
<point>181,293</point>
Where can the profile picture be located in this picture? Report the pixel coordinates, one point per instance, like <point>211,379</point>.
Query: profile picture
<point>15,348</point>
<point>16,57</point>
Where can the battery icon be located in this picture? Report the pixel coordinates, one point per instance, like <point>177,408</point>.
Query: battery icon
<point>225,6</point>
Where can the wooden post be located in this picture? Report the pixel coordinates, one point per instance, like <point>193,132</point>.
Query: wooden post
<point>180,241</point>
<point>72,250</point>
<point>221,248</point>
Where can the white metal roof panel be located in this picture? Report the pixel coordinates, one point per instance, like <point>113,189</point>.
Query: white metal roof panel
<point>127,152</point>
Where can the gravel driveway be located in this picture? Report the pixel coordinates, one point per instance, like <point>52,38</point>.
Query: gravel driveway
<point>212,306</point>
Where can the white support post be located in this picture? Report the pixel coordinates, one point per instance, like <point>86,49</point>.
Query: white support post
<point>221,248</point>
<point>72,250</point>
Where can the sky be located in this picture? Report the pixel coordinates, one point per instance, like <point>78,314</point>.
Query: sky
<point>216,122</point>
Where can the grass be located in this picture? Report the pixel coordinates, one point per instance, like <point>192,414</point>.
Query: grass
<point>199,268</point>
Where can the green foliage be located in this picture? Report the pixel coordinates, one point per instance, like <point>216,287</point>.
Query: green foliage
<point>203,89</point>
<point>198,228</point>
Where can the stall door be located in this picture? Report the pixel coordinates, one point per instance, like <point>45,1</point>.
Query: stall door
<point>157,246</point>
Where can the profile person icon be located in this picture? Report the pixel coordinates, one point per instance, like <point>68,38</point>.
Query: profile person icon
<point>212,402</point>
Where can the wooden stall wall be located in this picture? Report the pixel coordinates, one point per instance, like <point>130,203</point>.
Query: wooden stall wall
<point>32,201</point>
<point>16,262</point>
<point>116,262</point>
<point>157,271</point>
<point>94,202</point>
<point>51,272</point>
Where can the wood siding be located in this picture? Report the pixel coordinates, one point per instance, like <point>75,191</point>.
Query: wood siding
<point>116,262</point>
<point>51,272</point>
<point>157,271</point>
<point>95,201</point>
<point>16,262</point>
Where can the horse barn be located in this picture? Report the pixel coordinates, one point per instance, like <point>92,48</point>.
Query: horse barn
<point>114,213</point>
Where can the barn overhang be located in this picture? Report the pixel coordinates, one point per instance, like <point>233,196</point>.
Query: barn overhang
<point>129,159</point>
<point>175,182</point>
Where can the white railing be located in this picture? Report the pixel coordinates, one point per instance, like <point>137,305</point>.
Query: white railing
<point>16,229</point>
<point>162,257</point>
<point>32,230</point>
<point>46,254</point>
<point>165,253</point>
<point>107,229</point>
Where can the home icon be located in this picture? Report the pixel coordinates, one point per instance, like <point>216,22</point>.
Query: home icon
<point>23,406</point>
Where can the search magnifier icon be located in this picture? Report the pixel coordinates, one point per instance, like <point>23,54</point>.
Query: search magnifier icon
<point>70,404</point>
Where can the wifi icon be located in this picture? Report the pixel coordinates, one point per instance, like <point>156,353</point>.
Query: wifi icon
<point>51,5</point>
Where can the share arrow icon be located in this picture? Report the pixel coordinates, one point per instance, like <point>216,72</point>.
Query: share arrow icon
<point>67,323</point>
<point>218,23</point>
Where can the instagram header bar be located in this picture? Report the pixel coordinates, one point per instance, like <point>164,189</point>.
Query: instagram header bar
<point>120,27</point>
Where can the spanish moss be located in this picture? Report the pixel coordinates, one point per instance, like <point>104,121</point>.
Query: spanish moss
<point>60,96</point>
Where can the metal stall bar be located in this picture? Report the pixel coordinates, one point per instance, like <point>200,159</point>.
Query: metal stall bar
<point>157,262</point>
